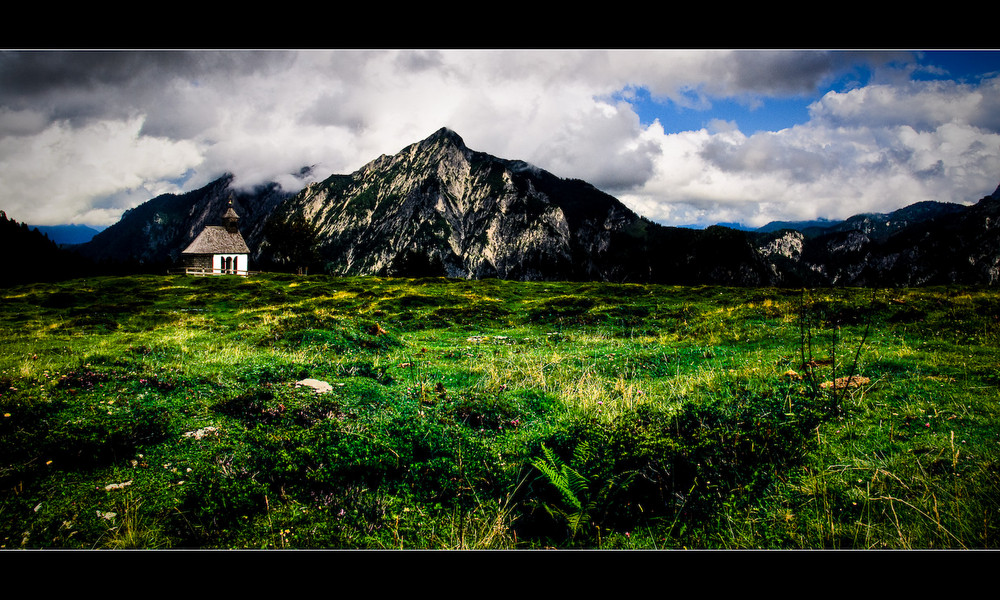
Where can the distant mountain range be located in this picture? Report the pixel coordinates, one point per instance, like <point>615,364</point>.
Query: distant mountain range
<point>67,235</point>
<point>437,208</point>
<point>33,256</point>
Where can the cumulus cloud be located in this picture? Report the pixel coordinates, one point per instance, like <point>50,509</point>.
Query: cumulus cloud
<point>815,170</point>
<point>873,148</point>
<point>88,174</point>
<point>85,135</point>
<point>922,105</point>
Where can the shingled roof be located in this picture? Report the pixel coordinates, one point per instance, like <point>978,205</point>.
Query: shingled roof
<point>214,239</point>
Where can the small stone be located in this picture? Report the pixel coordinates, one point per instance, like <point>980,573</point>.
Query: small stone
<point>845,382</point>
<point>320,387</point>
<point>200,433</point>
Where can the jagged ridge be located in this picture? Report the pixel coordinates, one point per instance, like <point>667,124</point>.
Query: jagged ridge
<point>440,208</point>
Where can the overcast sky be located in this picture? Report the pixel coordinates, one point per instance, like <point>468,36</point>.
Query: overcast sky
<point>682,137</point>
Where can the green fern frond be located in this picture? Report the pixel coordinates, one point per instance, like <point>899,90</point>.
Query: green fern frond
<point>582,498</point>
<point>561,476</point>
<point>581,454</point>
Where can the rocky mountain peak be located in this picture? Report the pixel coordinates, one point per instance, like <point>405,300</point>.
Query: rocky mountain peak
<point>442,148</point>
<point>444,136</point>
<point>442,151</point>
<point>438,207</point>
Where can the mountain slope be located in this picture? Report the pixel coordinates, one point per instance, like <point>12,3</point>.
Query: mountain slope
<point>67,235</point>
<point>922,244</point>
<point>439,208</point>
<point>154,233</point>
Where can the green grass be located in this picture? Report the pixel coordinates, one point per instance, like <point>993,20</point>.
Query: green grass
<point>162,412</point>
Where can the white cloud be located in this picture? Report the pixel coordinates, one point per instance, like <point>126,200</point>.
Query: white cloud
<point>918,104</point>
<point>815,170</point>
<point>63,175</point>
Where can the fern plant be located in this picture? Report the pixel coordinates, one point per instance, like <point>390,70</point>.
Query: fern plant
<point>581,497</point>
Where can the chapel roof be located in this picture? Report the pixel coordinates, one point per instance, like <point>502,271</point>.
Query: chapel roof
<point>215,239</point>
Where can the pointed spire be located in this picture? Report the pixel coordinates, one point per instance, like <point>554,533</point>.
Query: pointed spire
<point>230,219</point>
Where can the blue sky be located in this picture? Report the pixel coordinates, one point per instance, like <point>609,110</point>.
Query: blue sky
<point>964,65</point>
<point>683,137</point>
<point>773,113</point>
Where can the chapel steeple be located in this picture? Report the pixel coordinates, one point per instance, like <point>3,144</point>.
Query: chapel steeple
<point>231,220</point>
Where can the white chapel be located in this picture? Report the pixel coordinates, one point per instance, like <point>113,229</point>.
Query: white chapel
<point>218,249</point>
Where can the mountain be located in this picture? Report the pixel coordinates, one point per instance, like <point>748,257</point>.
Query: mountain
<point>438,208</point>
<point>67,235</point>
<point>879,225</point>
<point>152,235</point>
<point>927,243</point>
<point>813,227</point>
<point>33,255</point>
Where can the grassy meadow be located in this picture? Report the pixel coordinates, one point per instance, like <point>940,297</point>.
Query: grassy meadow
<point>163,412</point>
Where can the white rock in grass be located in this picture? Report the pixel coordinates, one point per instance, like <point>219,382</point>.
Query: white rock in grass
<point>201,433</point>
<point>320,387</point>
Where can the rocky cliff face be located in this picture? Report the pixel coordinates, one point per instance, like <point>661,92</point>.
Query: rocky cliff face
<point>439,208</point>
